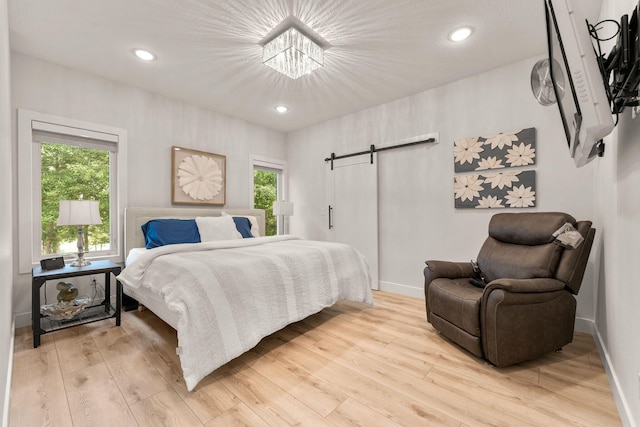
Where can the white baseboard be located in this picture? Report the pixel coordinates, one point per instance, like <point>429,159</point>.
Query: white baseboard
<point>584,325</point>
<point>589,327</point>
<point>618,394</point>
<point>7,391</point>
<point>410,291</point>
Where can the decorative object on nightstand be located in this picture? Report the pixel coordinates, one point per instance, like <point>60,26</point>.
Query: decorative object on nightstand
<point>67,306</point>
<point>67,293</point>
<point>80,213</point>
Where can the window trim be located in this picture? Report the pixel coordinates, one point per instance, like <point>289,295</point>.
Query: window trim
<point>29,205</point>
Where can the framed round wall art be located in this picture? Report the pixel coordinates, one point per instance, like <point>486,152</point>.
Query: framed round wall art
<point>198,177</point>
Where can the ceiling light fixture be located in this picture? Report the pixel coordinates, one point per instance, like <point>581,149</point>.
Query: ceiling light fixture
<point>460,34</point>
<point>293,54</point>
<point>281,109</point>
<point>145,55</point>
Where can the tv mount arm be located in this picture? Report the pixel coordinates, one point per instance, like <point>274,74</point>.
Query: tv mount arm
<point>621,67</point>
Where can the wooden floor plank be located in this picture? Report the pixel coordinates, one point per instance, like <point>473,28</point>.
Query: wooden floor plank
<point>270,402</point>
<point>210,399</point>
<point>382,399</point>
<point>95,400</point>
<point>165,409</point>
<point>516,406</point>
<point>39,399</point>
<point>134,374</point>
<point>77,351</point>
<point>348,365</point>
<point>238,416</point>
<point>158,341</point>
<point>319,395</point>
<point>353,413</point>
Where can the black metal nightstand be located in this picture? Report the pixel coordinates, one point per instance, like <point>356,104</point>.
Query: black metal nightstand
<point>42,324</point>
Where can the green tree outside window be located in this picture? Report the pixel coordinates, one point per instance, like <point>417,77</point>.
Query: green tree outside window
<point>265,185</point>
<point>67,173</point>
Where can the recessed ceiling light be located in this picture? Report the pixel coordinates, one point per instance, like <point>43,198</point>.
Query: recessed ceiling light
<point>460,34</point>
<point>281,109</point>
<point>145,55</point>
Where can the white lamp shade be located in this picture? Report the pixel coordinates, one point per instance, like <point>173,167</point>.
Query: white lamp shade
<point>283,208</point>
<point>79,212</point>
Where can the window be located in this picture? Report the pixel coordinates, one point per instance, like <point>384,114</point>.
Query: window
<point>268,181</point>
<point>72,172</point>
<point>64,159</point>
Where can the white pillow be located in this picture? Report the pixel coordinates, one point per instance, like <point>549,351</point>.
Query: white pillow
<point>213,228</point>
<point>255,227</point>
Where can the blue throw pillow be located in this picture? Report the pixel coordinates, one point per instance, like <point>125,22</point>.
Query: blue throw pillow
<point>160,232</point>
<point>243,225</point>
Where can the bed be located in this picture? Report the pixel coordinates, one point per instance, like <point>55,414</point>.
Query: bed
<point>223,293</point>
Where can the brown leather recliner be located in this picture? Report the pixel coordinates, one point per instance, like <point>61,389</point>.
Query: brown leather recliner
<point>527,307</point>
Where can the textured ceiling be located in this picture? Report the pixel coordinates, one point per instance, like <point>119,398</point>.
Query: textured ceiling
<point>209,53</point>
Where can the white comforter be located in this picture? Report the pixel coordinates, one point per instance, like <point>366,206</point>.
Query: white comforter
<point>230,294</point>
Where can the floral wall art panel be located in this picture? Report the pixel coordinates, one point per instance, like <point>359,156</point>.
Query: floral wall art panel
<point>503,150</point>
<point>512,189</point>
<point>198,177</point>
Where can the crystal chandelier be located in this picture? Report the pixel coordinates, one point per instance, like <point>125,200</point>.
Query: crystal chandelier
<point>293,54</point>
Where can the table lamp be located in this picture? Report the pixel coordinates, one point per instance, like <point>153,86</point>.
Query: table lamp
<point>80,213</point>
<point>283,209</point>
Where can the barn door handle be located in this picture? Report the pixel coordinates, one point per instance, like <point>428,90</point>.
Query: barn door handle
<point>330,219</point>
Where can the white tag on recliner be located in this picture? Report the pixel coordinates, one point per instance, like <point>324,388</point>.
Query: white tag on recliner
<point>568,236</point>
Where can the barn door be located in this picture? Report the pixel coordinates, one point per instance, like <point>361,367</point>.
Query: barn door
<point>352,188</point>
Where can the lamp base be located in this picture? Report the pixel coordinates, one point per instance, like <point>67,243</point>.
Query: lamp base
<point>80,262</point>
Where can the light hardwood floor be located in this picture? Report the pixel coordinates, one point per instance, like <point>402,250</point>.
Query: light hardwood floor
<point>348,365</point>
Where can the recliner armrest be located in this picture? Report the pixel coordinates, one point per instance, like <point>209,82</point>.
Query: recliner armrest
<point>525,318</point>
<point>525,285</point>
<point>449,269</point>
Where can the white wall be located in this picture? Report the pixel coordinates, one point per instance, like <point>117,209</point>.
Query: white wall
<point>6,247</point>
<point>153,123</point>
<point>417,220</point>
<point>617,209</point>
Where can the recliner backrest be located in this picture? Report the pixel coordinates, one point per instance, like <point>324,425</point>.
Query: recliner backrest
<point>520,245</point>
<point>573,262</point>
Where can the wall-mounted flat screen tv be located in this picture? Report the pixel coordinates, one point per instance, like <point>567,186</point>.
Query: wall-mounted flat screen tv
<point>578,81</point>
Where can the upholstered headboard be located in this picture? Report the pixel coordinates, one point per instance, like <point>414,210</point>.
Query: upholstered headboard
<point>135,217</point>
